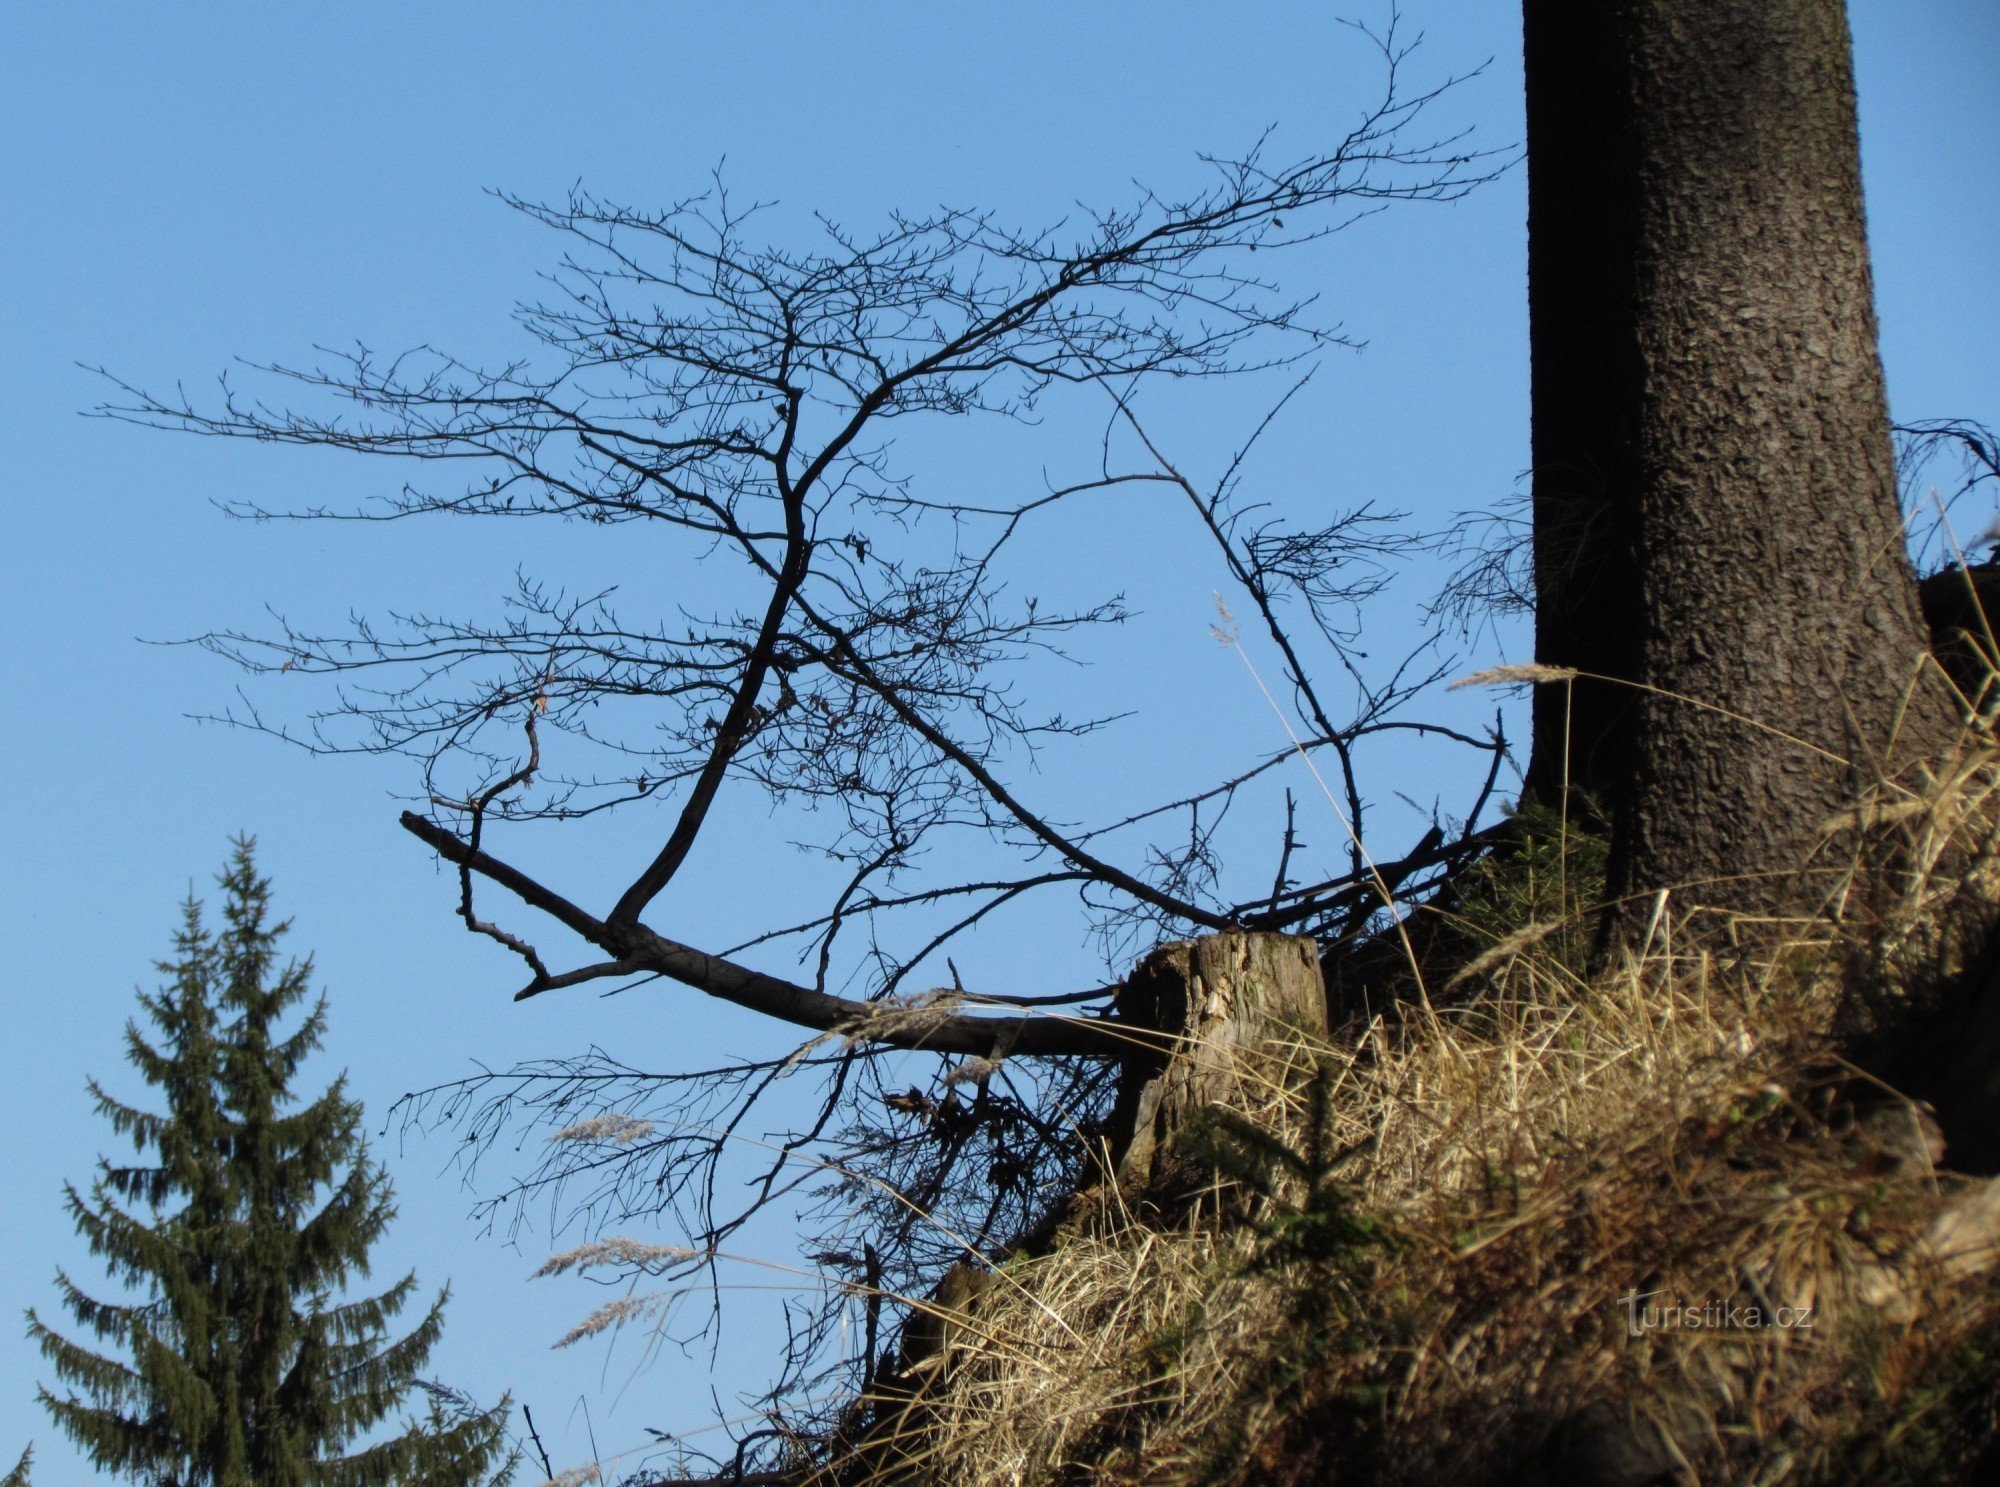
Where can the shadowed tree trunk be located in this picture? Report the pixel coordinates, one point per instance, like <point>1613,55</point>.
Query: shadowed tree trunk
<point>1715,508</point>
<point>1586,377</point>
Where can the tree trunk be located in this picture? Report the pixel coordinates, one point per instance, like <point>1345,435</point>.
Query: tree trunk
<point>1715,505</point>
<point>1586,377</point>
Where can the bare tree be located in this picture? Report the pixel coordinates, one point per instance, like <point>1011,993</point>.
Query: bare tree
<point>737,402</point>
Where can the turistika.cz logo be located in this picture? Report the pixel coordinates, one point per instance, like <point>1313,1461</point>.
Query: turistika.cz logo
<point>1643,1314</point>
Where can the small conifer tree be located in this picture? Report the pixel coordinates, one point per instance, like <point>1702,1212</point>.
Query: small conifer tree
<point>239,1360</point>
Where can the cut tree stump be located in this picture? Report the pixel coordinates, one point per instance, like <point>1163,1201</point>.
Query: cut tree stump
<point>1233,1005</point>
<point>1213,1021</point>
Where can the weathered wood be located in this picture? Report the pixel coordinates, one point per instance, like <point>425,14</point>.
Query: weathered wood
<point>1231,1001</point>
<point>1232,1005</point>
<point>1229,1008</point>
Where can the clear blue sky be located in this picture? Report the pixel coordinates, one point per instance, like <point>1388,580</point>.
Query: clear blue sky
<point>183,185</point>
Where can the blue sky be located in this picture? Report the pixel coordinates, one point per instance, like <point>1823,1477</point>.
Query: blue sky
<point>183,186</point>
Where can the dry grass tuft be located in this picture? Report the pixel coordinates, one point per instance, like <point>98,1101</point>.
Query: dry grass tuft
<point>1648,1211</point>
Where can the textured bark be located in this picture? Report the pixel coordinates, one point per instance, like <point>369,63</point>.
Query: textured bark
<point>1722,432</point>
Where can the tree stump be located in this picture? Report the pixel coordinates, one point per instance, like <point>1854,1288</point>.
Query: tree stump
<point>1227,1006</point>
<point>1213,1020</point>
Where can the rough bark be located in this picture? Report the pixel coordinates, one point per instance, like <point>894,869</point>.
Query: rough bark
<point>1712,446</point>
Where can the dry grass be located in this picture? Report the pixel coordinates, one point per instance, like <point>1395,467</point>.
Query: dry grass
<point>1519,1175</point>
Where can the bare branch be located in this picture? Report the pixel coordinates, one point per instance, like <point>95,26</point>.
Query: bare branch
<point>933,1029</point>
